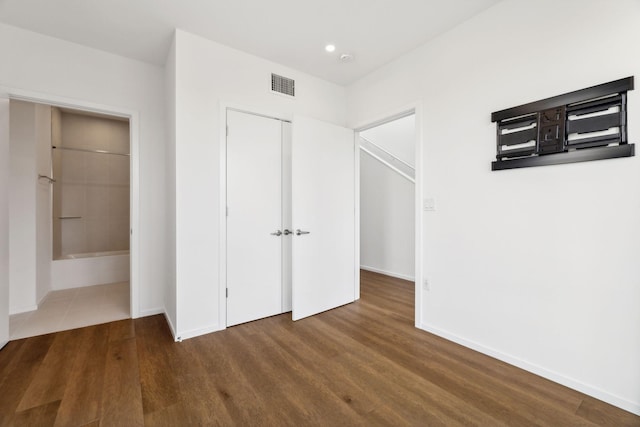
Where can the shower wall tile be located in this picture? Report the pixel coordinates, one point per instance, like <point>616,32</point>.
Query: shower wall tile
<point>73,199</point>
<point>120,138</point>
<point>97,168</point>
<point>56,237</point>
<point>77,131</point>
<point>94,186</point>
<point>98,202</point>
<point>73,167</point>
<point>119,234</point>
<point>119,170</point>
<point>56,126</point>
<point>95,133</point>
<point>119,202</point>
<point>97,235</point>
<point>73,236</point>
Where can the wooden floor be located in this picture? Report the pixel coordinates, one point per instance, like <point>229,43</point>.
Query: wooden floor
<point>362,364</point>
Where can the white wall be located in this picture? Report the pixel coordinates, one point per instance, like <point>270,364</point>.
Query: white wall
<point>45,65</point>
<point>387,230</point>
<point>536,266</point>
<point>30,210</point>
<point>4,220</point>
<point>22,208</point>
<point>170,291</point>
<point>208,74</point>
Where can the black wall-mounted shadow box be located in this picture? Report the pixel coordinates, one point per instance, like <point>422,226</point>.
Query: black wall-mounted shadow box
<point>588,124</point>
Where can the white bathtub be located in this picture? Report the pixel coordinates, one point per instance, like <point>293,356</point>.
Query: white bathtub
<point>88,269</point>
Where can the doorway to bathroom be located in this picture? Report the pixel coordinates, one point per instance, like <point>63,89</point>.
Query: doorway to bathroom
<point>70,259</point>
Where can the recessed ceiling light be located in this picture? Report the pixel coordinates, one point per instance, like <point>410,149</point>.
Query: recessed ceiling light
<point>329,48</point>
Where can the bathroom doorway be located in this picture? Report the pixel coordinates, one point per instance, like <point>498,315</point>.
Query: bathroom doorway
<point>82,218</point>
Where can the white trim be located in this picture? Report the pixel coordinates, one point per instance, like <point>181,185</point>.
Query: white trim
<point>388,273</point>
<point>536,369</point>
<point>419,220</point>
<point>152,312</point>
<point>168,320</point>
<point>134,124</point>
<point>266,116</point>
<point>412,108</point>
<point>185,335</point>
<point>222,226</point>
<point>134,214</point>
<point>21,310</point>
<point>356,213</point>
<point>403,112</point>
<point>4,220</point>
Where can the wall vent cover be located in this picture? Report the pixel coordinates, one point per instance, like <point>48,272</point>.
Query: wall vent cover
<point>283,85</point>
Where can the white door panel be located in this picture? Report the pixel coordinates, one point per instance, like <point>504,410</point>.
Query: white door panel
<point>286,217</point>
<point>323,194</point>
<point>4,221</point>
<point>254,255</point>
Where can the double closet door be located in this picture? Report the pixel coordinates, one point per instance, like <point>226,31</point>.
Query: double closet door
<point>291,238</point>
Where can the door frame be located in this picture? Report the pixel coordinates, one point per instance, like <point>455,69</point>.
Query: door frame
<point>415,108</point>
<point>222,226</point>
<point>5,334</point>
<point>134,169</point>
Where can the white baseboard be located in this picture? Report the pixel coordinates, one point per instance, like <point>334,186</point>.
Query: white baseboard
<point>538,370</point>
<point>388,273</point>
<point>171,327</point>
<point>23,310</point>
<point>150,312</point>
<point>196,332</point>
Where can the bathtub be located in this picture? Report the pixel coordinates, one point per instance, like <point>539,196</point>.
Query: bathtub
<point>88,269</point>
<point>94,254</point>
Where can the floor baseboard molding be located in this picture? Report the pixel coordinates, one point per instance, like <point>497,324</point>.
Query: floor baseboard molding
<point>196,333</point>
<point>538,370</point>
<point>170,323</point>
<point>23,310</point>
<point>151,312</point>
<point>388,273</point>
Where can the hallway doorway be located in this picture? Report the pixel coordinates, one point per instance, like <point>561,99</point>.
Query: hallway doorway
<point>388,198</point>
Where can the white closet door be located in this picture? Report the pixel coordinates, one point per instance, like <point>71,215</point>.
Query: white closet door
<point>254,252</point>
<point>286,217</point>
<point>323,193</point>
<point>4,221</point>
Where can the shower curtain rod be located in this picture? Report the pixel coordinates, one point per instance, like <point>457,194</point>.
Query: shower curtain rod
<point>89,151</point>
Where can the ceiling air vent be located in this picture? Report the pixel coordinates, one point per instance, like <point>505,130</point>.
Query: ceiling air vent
<point>283,85</point>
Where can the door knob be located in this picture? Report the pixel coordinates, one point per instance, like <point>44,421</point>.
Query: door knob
<point>299,232</point>
<point>287,232</point>
<point>277,233</point>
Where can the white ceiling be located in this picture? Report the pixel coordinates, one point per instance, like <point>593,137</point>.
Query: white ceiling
<point>289,32</point>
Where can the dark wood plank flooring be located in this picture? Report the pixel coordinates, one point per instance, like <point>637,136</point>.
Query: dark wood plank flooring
<point>363,364</point>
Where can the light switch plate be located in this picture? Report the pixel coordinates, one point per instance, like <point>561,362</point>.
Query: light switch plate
<point>429,204</point>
